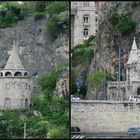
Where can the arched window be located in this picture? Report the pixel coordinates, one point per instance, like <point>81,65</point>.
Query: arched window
<point>25,74</point>
<point>8,74</point>
<point>26,102</point>
<point>7,103</point>
<point>1,74</point>
<point>85,33</point>
<point>18,74</point>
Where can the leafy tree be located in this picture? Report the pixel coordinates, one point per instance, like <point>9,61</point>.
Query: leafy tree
<point>53,109</point>
<point>83,90</point>
<point>40,6</point>
<point>52,27</point>
<point>11,124</point>
<point>47,81</point>
<point>5,130</point>
<point>73,79</point>
<point>82,52</point>
<point>122,20</point>
<point>56,8</point>
<point>41,130</point>
<point>12,12</point>
<point>55,133</point>
<point>58,22</point>
<point>96,79</point>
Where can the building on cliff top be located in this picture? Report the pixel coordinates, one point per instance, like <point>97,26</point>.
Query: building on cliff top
<point>84,20</point>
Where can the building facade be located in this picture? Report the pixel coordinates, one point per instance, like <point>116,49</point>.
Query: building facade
<point>15,84</point>
<point>84,20</point>
<point>132,84</point>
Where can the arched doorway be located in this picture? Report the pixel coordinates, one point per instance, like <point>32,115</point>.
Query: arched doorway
<point>138,91</point>
<point>26,103</point>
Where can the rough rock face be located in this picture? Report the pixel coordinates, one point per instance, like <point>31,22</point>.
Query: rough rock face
<point>108,41</point>
<point>62,86</point>
<point>37,54</point>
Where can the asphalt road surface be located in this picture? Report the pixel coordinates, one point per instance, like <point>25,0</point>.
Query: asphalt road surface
<point>101,135</point>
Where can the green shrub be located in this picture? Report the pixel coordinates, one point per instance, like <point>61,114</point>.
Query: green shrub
<point>52,27</point>
<point>56,7</point>
<point>82,52</point>
<point>58,21</point>
<point>110,77</point>
<point>47,81</point>
<point>73,79</point>
<point>11,12</point>
<point>83,90</point>
<point>96,79</point>
<point>40,6</point>
<point>125,25</point>
<point>122,20</point>
<point>55,133</point>
<point>135,3</point>
<point>39,15</point>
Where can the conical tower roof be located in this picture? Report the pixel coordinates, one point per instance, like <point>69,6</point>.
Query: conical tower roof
<point>14,62</point>
<point>133,56</point>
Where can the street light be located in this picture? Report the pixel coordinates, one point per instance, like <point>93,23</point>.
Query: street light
<point>24,130</point>
<point>117,84</point>
<point>119,74</point>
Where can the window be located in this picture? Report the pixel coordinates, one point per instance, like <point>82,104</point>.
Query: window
<point>7,103</point>
<point>74,3</point>
<point>85,3</point>
<point>86,32</point>
<point>1,74</point>
<point>26,102</point>
<point>8,74</point>
<point>86,19</point>
<point>25,74</point>
<point>96,19</point>
<point>18,74</point>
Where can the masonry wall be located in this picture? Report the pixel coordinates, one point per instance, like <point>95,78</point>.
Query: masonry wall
<point>17,89</point>
<point>95,116</point>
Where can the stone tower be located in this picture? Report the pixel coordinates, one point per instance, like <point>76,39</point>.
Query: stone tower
<point>15,84</point>
<point>133,72</point>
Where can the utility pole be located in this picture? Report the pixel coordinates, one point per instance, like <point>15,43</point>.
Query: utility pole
<point>117,85</point>
<point>24,130</point>
<point>119,74</point>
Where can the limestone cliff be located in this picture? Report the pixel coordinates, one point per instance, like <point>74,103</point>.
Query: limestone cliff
<point>108,41</point>
<point>36,52</point>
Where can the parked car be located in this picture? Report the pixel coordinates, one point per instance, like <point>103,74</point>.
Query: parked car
<point>133,131</point>
<point>75,98</point>
<point>75,130</point>
<point>135,98</point>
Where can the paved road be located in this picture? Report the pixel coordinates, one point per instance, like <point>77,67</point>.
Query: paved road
<point>101,135</point>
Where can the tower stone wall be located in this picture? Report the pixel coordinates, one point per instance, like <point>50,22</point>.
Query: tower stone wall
<point>16,86</point>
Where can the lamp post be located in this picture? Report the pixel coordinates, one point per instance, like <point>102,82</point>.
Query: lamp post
<point>105,84</point>
<point>117,85</point>
<point>119,75</point>
<point>24,130</point>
